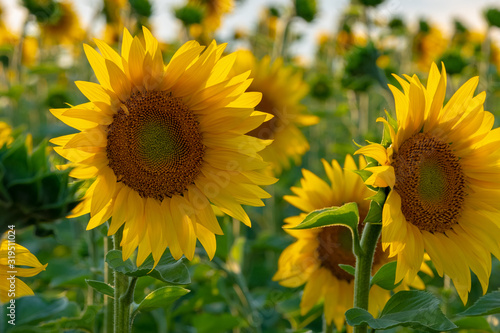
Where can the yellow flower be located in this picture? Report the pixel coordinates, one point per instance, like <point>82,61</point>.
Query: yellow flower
<point>165,142</point>
<point>214,10</point>
<point>282,90</point>
<point>66,30</point>
<point>443,171</point>
<point>428,46</point>
<point>5,134</point>
<point>314,258</point>
<point>23,259</point>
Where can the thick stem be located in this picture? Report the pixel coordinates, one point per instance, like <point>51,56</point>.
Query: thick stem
<point>123,295</point>
<point>364,261</point>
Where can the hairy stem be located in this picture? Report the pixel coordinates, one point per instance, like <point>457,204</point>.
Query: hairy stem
<point>364,260</point>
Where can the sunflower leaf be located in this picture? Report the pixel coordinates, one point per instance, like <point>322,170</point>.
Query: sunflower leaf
<point>415,309</point>
<point>385,276</point>
<point>168,269</point>
<point>374,214</point>
<point>348,268</point>
<point>486,305</point>
<point>101,287</point>
<point>347,215</point>
<point>161,298</point>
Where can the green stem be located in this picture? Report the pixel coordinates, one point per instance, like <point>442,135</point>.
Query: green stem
<point>364,261</point>
<point>123,295</point>
<point>108,276</point>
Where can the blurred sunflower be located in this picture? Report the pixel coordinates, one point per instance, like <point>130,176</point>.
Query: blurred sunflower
<point>314,258</point>
<point>214,10</point>
<point>23,259</point>
<point>428,45</point>
<point>65,28</point>
<point>163,141</point>
<point>282,90</point>
<point>443,171</point>
<point>5,134</point>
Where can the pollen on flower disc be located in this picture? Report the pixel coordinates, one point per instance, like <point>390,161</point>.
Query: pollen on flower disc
<point>430,182</point>
<point>154,145</point>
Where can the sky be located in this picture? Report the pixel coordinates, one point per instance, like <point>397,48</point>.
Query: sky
<point>246,14</point>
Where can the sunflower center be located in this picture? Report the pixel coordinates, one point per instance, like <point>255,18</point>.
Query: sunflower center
<point>430,181</point>
<point>267,129</point>
<point>335,247</point>
<point>154,145</point>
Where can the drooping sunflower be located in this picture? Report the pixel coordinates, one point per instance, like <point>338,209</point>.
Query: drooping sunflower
<point>65,29</point>
<point>282,90</point>
<point>443,172</point>
<point>165,142</point>
<point>314,257</point>
<point>23,258</point>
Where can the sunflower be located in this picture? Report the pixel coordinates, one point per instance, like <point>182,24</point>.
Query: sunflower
<point>214,10</point>
<point>5,134</point>
<point>314,257</point>
<point>428,46</point>
<point>282,90</point>
<point>442,169</point>
<point>66,29</point>
<point>165,142</point>
<point>22,257</point>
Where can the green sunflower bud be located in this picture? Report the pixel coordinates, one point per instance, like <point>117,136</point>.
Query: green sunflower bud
<point>141,7</point>
<point>454,62</point>
<point>371,3</point>
<point>31,191</point>
<point>189,14</point>
<point>306,9</point>
<point>321,87</point>
<point>493,17</point>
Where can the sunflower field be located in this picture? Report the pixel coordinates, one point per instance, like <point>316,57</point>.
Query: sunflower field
<point>223,181</point>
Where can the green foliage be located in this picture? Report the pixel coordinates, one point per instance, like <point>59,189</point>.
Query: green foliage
<point>385,276</point>
<point>101,287</point>
<point>347,215</point>
<point>415,309</point>
<point>160,298</point>
<point>31,191</point>
<point>486,305</point>
<point>168,269</point>
<point>45,11</point>
<point>361,70</point>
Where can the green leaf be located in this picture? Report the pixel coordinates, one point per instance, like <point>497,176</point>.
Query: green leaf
<point>347,215</point>
<point>168,269</point>
<point>85,322</point>
<point>101,287</point>
<point>348,268</point>
<point>385,276</point>
<point>161,297</point>
<point>374,214</point>
<point>415,309</point>
<point>216,323</point>
<point>486,305</point>
<point>473,324</point>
